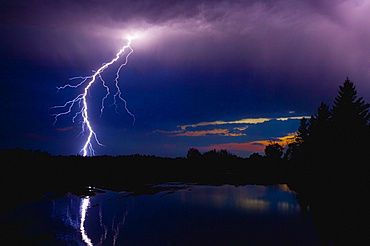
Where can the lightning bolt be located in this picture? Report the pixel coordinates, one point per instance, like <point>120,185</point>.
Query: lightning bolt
<point>81,100</point>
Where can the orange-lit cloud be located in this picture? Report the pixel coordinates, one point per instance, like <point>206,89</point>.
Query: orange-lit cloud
<point>241,128</point>
<point>292,118</point>
<point>254,146</point>
<point>221,132</point>
<point>287,139</point>
<point>223,129</point>
<point>242,121</point>
<point>219,122</point>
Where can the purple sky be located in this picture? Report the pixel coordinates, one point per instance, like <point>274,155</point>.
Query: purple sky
<point>204,74</point>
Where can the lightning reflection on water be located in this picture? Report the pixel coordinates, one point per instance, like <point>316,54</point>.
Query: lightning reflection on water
<point>85,203</point>
<point>109,234</point>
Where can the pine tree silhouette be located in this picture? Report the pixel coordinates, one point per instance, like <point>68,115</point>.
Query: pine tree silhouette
<point>350,118</point>
<point>334,143</point>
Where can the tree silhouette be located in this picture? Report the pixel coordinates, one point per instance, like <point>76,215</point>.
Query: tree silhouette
<point>221,154</point>
<point>333,144</point>
<point>274,151</point>
<point>320,122</point>
<point>349,111</point>
<point>193,154</point>
<point>255,157</point>
<point>294,149</point>
<point>350,122</point>
<point>319,140</point>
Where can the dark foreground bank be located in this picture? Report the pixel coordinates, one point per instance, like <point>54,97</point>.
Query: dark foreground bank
<point>338,202</point>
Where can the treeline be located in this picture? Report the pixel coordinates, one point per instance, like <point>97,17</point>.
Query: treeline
<point>38,168</point>
<point>27,175</point>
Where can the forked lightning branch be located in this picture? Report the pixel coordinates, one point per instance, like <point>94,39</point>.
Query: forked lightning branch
<point>79,105</point>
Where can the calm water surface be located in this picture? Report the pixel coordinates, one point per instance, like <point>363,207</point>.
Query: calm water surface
<point>193,215</point>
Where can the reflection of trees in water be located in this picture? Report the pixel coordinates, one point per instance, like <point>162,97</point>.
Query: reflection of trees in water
<point>341,221</point>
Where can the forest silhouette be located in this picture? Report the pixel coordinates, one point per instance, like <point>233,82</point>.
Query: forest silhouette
<point>325,164</point>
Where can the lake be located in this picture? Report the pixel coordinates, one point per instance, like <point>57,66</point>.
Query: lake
<point>179,214</point>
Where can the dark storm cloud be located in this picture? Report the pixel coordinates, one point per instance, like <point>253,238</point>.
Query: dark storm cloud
<point>294,36</point>
<point>74,11</point>
<point>261,34</point>
<point>285,42</point>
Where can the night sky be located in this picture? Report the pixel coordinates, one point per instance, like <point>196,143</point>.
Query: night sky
<point>206,74</point>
